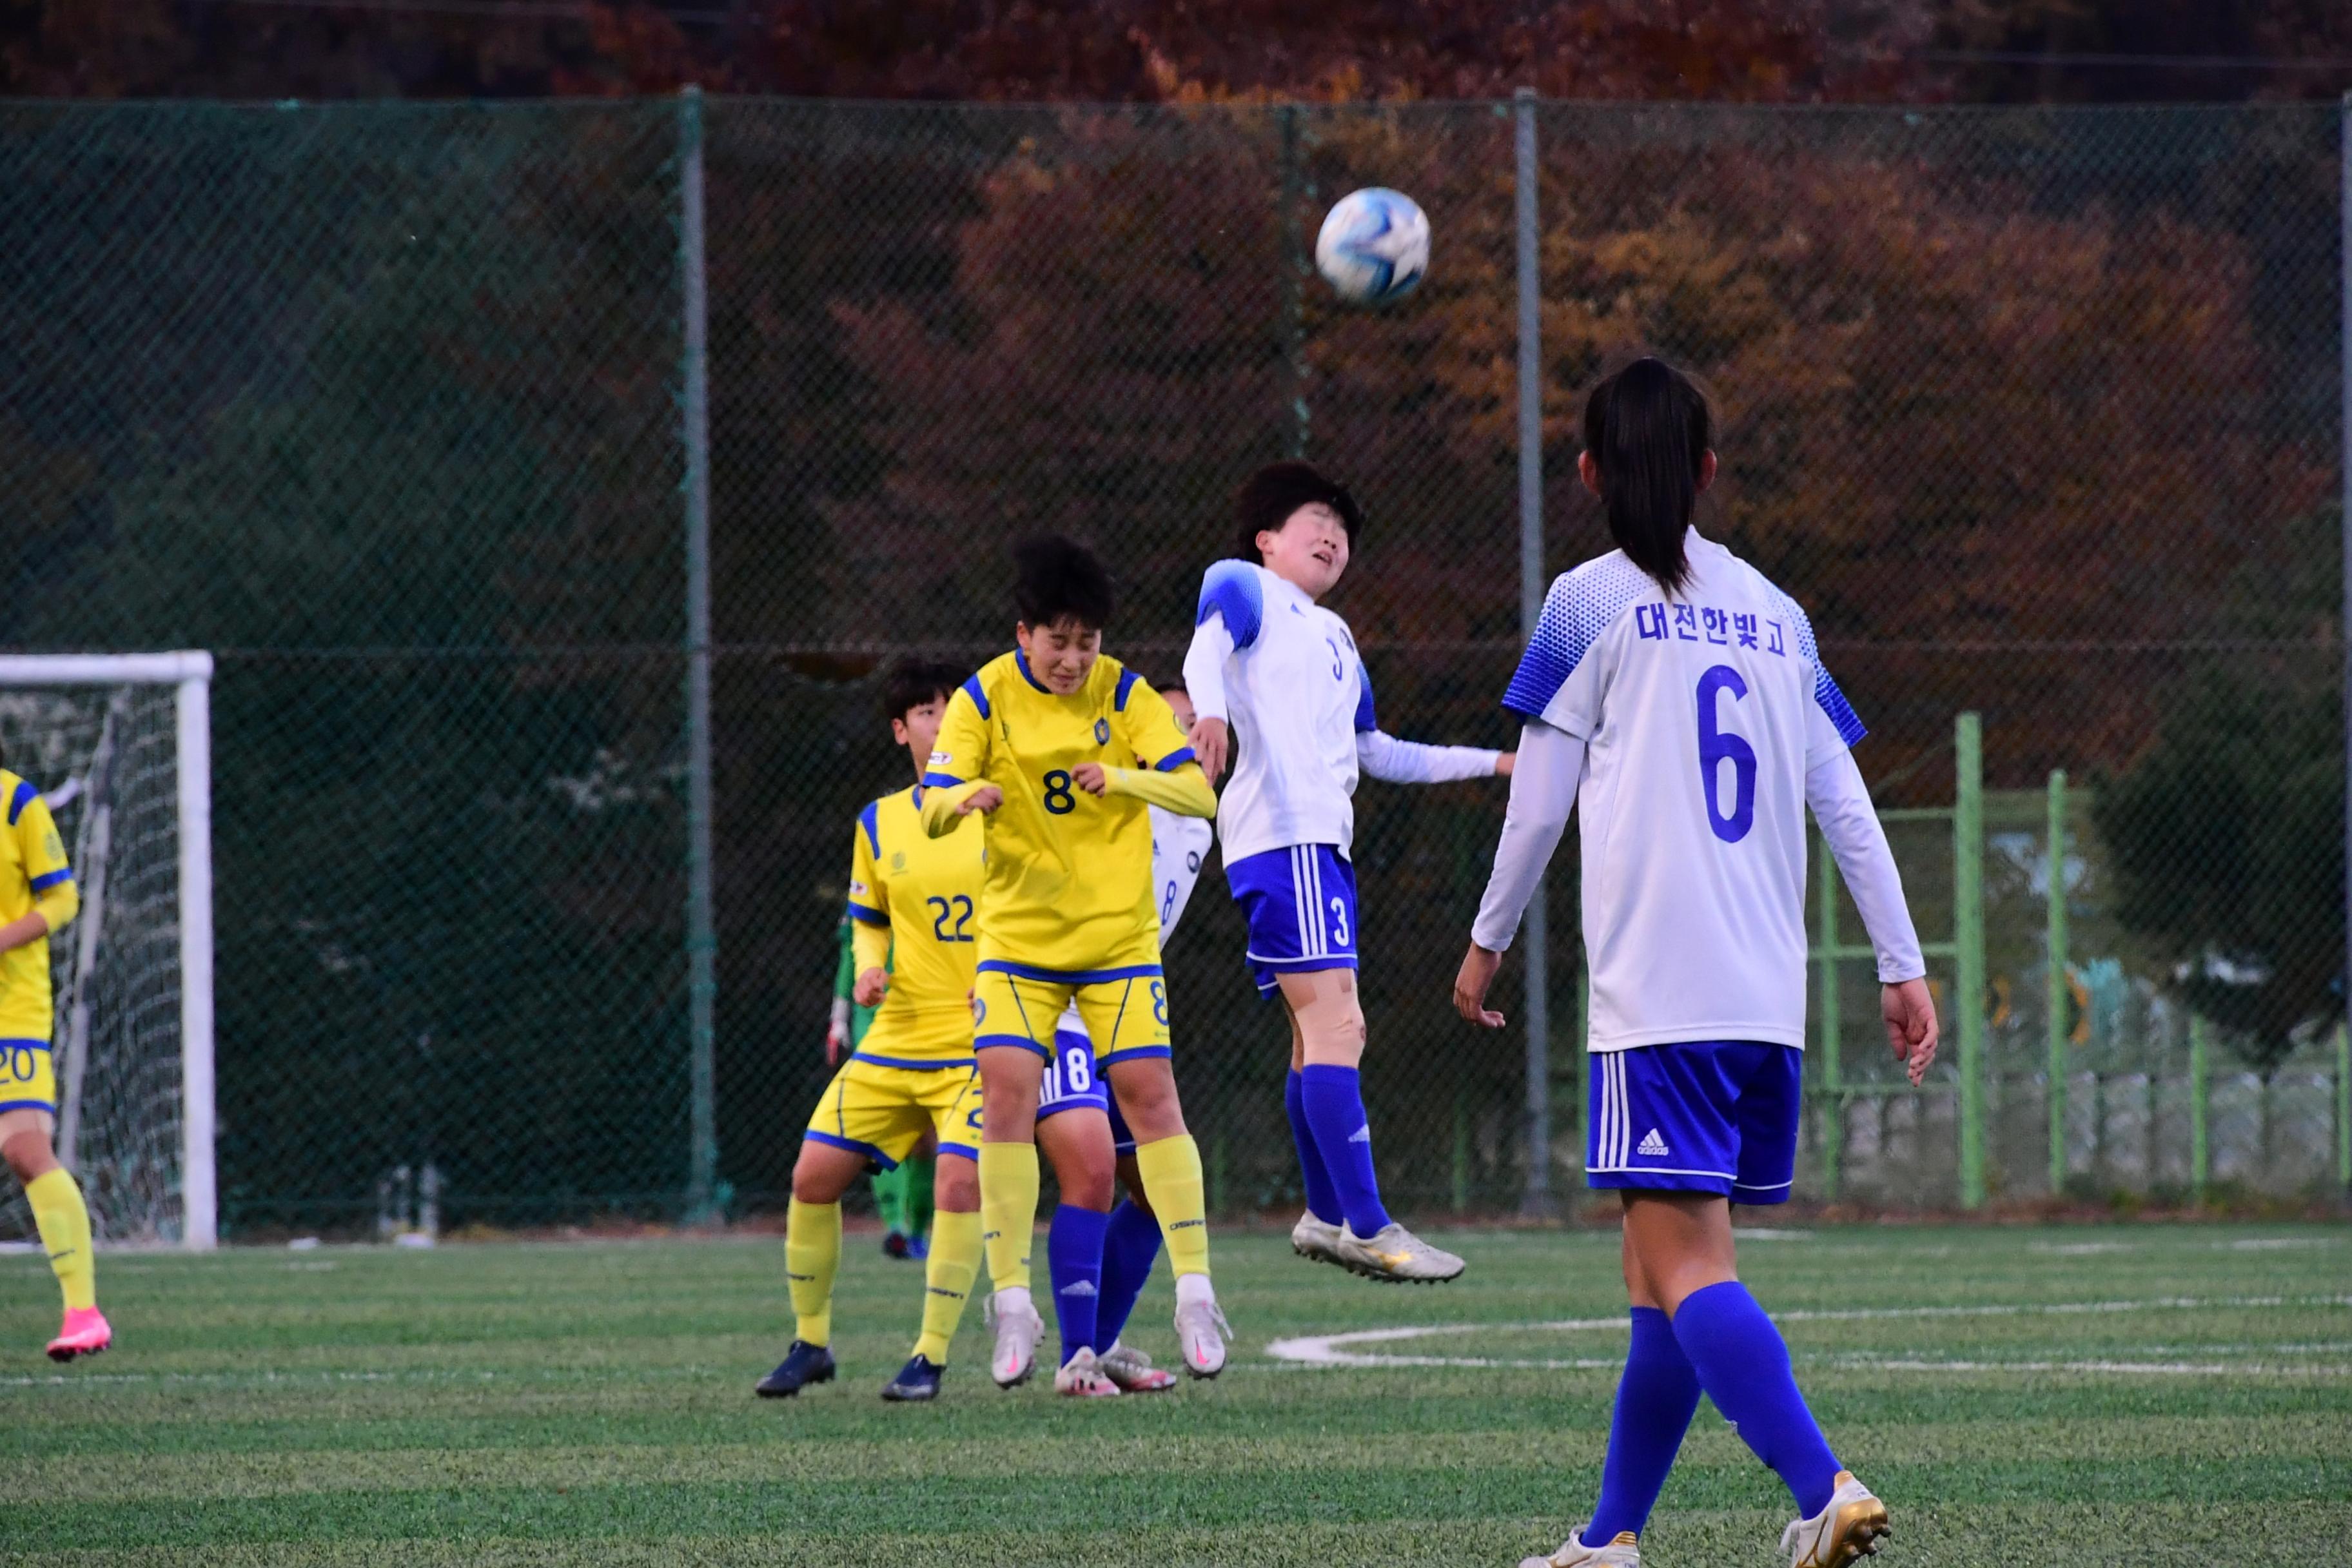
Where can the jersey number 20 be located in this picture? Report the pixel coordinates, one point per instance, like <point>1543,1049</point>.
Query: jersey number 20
<point>1718,746</point>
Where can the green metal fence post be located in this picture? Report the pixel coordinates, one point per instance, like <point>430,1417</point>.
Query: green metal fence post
<point>2200,1165</point>
<point>2055,1026</point>
<point>2344,1108</point>
<point>1832,1096</point>
<point>1968,929</point>
<point>701,928</point>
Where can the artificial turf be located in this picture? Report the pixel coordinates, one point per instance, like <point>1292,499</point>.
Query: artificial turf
<point>2148,1394</point>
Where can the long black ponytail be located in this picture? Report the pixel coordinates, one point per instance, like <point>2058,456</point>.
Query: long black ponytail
<point>1648,429</point>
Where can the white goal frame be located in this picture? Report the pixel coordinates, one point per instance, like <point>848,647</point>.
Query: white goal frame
<point>191,673</point>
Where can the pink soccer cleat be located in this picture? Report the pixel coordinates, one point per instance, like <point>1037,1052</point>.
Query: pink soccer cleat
<point>86,1332</point>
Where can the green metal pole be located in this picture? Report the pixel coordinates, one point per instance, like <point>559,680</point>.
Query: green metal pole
<point>2200,1157</point>
<point>1968,936</point>
<point>701,928</point>
<point>2055,1024</point>
<point>2344,1108</point>
<point>1832,1030</point>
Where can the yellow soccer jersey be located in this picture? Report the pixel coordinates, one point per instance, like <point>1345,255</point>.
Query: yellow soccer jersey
<point>33,870</point>
<point>925,893</point>
<point>1069,874</point>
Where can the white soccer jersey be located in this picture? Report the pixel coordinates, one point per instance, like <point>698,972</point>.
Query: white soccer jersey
<point>1180,847</point>
<point>1284,672</point>
<point>1701,717</point>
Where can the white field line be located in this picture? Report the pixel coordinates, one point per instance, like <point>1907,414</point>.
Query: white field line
<point>1333,1349</point>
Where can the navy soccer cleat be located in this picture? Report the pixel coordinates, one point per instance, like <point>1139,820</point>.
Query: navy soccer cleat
<point>803,1364</point>
<point>918,1380</point>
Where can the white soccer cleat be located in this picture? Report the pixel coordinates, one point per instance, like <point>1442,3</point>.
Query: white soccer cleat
<point>1317,1238</point>
<point>1849,1528</point>
<point>1200,1329</point>
<point>1395,1255</point>
<point>1018,1330</point>
<point>1133,1372</point>
<point>1619,1553</point>
<point>1082,1378</point>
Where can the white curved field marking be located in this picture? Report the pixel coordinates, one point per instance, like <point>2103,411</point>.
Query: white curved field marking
<point>1336,1350</point>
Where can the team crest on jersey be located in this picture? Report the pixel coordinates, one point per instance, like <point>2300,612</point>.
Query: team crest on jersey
<point>1102,732</point>
<point>899,860</point>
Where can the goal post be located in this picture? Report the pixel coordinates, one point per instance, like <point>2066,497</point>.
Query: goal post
<point>120,744</point>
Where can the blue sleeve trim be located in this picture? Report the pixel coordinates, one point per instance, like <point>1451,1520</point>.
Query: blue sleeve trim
<point>978,698</point>
<point>1172,760</point>
<point>1126,679</point>
<point>939,781</point>
<point>1366,719</point>
<point>43,884</point>
<point>1580,607</point>
<point>26,794</point>
<point>1848,723</point>
<point>870,820</point>
<point>1230,588</point>
<point>872,917</point>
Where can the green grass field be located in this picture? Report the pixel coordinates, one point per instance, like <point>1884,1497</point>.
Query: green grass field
<point>2130,1395</point>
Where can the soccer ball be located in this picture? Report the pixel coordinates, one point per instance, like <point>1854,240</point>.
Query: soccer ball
<point>1374,247</point>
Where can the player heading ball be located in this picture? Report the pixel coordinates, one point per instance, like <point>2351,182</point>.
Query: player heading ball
<point>1058,749</point>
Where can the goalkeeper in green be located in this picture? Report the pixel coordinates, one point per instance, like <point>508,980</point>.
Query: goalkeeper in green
<point>902,1194</point>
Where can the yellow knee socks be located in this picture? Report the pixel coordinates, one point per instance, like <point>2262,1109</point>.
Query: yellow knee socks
<point>1171,1168</point>
<point>64,1223</point>
<point>1008,1210</point>
<point>812,1256</point>
<point>954,1264</point>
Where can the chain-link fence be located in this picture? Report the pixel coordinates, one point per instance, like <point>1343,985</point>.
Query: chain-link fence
<point>2037,410</point>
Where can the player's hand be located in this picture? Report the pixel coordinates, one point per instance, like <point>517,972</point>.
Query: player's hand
<point>870,986</point>
<point>1089,776</point>
<point>1911,1029</point>
<point>1470,984</point>
<point>837,1038</point>
<point>1211,745</point>
<point>986,798</point>
<point>1505,764</point>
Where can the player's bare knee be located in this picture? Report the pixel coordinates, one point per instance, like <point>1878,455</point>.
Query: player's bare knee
<point>28,1153</point>
<point>955,1187</point>
<point>1147,1099</point>
<point>822,1173</point>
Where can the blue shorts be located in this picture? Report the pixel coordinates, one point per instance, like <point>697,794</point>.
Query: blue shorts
<point>1300,905</point>
<point>1710,1116</point>
<point>1071,1080</point>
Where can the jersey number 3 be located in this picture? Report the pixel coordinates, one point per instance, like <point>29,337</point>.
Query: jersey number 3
<point>1716,747</point>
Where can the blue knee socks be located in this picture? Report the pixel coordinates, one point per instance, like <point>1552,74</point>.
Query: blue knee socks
<point>1074,1262</point>
<point>1743,1364</point>
<point>1334,1102</point>
<point>1655,1399</point>
<point>1321,1201</point>
<point>1130,1246</point>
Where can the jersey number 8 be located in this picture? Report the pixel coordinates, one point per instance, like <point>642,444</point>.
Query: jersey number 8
<point>1058,798</point>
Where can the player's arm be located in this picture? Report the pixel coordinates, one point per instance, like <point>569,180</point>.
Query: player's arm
<point>869,912</point>
<point>1225,621</point>
<point>56,901</point>
<point>1171,777</point>
<point>1383,756</point>
<point>953,785</point>
<point>1841,803</point>
<point>1543,792</point>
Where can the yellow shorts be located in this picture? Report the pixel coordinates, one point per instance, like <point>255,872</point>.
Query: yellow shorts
<point>883,1111</point>
<point>1125,1009</point>
<point>28,1080</point>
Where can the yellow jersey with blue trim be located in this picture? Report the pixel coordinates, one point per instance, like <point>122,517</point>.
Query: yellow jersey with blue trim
<point>1069,887</point>
<point>33,871</point>
<point>925,893</point>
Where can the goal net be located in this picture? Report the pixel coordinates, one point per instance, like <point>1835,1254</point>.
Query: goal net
<point>120,747</point>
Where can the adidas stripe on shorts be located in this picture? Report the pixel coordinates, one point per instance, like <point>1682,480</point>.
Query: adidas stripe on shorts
<point>1300,905</point>
<point>1709,1116</point>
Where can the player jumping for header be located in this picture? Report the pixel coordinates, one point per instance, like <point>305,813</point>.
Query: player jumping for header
<point>1058,749</point>
<point>1284,673</point>
<point>1676,699</point>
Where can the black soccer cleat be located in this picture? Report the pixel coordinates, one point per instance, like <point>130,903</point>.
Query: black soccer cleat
<point>897,1244</point>
<point>803,1364</point>
<point>918,1380</point>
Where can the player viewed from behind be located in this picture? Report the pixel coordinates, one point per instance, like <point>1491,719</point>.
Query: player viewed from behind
<point>1676,698</point>
<point>37,898</point>
<point>1131,1240</point>
<point>1056,750</point>
<point>902,1194</point>
<point>1272,670</point>
<point>912,898</point>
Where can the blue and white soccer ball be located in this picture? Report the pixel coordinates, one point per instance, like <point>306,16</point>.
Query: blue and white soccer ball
<point>1374,247</point>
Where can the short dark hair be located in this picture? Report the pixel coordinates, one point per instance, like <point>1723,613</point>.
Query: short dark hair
<point>1269,496</point>
<point>911,682</point>
<point>1056,578</point>
<point>1648,429</point>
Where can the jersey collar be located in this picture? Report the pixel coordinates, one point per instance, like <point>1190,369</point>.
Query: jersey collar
<point>1022,660</point>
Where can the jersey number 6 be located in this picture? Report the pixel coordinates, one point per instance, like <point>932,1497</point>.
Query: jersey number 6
<point>1717,746</point>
